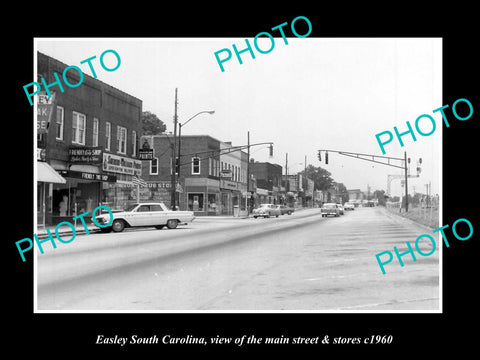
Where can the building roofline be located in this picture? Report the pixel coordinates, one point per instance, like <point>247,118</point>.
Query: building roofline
<point>90,77</point>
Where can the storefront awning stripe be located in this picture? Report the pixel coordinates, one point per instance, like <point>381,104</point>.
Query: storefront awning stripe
<point>45,173</point>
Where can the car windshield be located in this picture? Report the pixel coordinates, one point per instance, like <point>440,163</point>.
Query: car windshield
<point>131,207</point>
<point>329,206</point>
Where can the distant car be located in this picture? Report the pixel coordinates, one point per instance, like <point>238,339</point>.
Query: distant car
<point>266,210</point>
<point>330,209</point>
<point>349,206</point>
<point>284,209</point>
<point>145,214</point>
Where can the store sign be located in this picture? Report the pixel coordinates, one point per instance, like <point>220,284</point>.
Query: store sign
<point>226,184</point>
<point>87,176</point>
<point>85,155</point>
<point>226,174</point>
<point>262,191</point>
<point>45,107</point>
<point>145,154</point>
<point>121,164</point>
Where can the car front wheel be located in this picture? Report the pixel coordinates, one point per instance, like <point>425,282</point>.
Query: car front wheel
<point>172,224</point>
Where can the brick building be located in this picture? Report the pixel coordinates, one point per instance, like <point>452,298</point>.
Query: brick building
<point>269,182</point>
<point>211,181</point>
<point>91,142</point>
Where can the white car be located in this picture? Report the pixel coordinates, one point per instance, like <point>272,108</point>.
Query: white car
<point>266,210</point>
<point>145,214</point>
<point>349,206</point>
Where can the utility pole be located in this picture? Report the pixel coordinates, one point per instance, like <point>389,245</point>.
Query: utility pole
<point>406,182</point>
<point>174,162</point>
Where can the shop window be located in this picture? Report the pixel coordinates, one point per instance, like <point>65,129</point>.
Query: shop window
<point>195,202</point>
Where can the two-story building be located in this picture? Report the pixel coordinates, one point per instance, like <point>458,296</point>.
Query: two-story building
<point>269,182</point>
<point>210,180</point>
<point>91,141</point>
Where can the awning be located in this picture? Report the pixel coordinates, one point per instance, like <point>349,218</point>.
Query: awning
<point>45,173</point>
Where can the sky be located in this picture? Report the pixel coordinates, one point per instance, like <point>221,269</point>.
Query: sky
<point>309,94</point>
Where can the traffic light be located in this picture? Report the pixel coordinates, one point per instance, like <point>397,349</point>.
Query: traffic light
<point>271,149</point>
<point>326,157</point>
<point>177,165</point>
<point>319,155</point>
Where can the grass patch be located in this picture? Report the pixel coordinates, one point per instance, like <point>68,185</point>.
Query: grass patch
<point>419,215</point>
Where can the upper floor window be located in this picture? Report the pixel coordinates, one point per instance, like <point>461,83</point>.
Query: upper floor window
<point>195,165</point>
<point>95,132</point>
<point>60,118</point>
<point>78,128</point>
<point>122,139</point>
<point>108,135</point>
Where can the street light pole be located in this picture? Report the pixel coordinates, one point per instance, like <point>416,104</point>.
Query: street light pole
<point>180,140</point>
<point>173,184</point>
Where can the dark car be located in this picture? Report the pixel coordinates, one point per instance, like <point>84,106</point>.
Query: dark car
<point>284,209</point>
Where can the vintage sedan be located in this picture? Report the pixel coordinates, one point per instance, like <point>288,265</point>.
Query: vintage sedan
<point>266,210</point>
<point>330,209</point>
<point>284,209</point>
<point>349,206</point>
<point>145,214</point>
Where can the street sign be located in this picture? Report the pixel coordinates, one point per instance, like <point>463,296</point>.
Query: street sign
<point>145,154</point>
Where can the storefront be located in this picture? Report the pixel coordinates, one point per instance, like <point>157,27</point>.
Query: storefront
<point>233,197</point>
<point>82,192</point>
<point>46,178</point>
<point>202,196</point>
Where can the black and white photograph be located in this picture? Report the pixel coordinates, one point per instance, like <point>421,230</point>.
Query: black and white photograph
<point>300,174</point>
<point>193,180</point>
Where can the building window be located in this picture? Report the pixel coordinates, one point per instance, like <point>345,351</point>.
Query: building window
<point>108,135</point>
<point>95,132</point>
<point>195,166</point>
<point>122,139</point>
<point>154,166</point>
<point>78,128</point>
<point>134,143</point>
<point>60,117</point>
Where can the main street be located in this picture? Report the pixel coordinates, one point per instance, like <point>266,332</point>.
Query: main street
<point>296,262</point>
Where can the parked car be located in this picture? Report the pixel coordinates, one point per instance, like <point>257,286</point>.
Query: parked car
<point>340,209</point>
<point>284,209</point>
<point>349,206</point>
<point>145,214</point>
<point>330,209</point>
<point>266,210</point>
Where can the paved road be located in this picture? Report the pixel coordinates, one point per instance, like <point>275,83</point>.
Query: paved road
<point>298,262</point>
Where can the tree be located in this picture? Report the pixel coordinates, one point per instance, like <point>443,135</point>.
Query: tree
<point>321,177</point>
<point>151,124</point>
<point>380,196</point>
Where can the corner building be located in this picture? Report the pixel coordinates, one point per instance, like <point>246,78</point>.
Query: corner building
<point>211,180</point>
<point>91,141</point>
